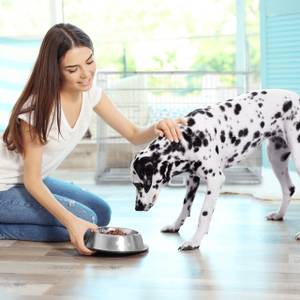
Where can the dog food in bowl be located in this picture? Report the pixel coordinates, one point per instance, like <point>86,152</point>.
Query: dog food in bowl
<point>113,231</point>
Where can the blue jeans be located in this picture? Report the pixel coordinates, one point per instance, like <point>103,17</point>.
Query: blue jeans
<point>23,218</point>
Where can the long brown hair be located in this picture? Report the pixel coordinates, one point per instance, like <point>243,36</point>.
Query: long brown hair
<point>43,86</point>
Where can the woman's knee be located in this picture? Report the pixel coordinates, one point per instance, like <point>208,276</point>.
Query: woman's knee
<point>101,208</point>
<point>103,212</point>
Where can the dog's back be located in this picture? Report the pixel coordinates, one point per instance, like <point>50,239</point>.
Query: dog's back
<point>230,130</point>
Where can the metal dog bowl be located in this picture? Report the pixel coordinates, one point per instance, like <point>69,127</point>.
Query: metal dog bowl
<point>115,240</point>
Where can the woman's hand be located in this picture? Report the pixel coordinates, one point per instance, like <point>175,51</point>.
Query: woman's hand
<point>170,129</point>
<point>77,228</point>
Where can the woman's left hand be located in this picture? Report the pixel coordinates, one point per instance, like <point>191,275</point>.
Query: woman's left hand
<point>170,128</point>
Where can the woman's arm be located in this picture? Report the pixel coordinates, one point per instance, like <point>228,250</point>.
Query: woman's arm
<point>114,118</point>
<point>33,182</point>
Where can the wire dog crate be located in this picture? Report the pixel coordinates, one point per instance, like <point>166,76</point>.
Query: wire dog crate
<point>147,97</point>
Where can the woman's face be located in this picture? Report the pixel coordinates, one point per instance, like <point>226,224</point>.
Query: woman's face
<point>78,68</point>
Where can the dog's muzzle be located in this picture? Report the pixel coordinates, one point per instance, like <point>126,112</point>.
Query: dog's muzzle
<point>140,206</point>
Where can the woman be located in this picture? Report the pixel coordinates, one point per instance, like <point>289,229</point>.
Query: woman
<point>48,120</point>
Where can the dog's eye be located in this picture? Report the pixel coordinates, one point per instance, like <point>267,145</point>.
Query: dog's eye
<point>139,186</point>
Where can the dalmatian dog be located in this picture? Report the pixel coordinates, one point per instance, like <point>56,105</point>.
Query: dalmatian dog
<point>217,137</point>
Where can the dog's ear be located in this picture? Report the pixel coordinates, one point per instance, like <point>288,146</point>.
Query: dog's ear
<point>148,176</point>
<point>137,166</point>
<point>144,168</point>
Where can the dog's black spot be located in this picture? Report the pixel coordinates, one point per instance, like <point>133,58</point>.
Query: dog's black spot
<point>196,165</point>
<point>246,147</point>
<point>298,138</point>
<point>217,149</point>
<point>208,192</point>
<point>277,115</point>
<point>255,143</point>
<point>272,123</point>
<point>231,159</point>
<point>177,163</point>
<point>260,105</point>
<point>237,142</point>
<point>287,105</point>
<point>222,136</point>
<point>204,213</point>
<point>228,104</point>
<point>264,92</point>
<point>285,156</point>
<point>197,142</point>
<point>243,132</point>
<point>201,135</point>
<point>187,167</point>
<point>298,126</point>
<point>209,114</point>
<point>267,134</point>
<point>262,124</point>
<point>222,108</point>
<point>205,142</point>
<point>256,134</point>
<point>154,146</point>
<point>191,122</point>
<point>237,108</point>
<point>253,94</point>
<point>292,190</point>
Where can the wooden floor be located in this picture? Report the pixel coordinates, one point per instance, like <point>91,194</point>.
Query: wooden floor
<point>243,257</point>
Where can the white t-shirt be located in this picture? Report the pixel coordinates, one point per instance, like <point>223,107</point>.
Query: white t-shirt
<point>57,147</point>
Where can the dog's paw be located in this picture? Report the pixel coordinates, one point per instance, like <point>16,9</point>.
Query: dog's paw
<point>297,236</point>
<point>274,217</point>
<point>169,229</point>
<point>188,245</point>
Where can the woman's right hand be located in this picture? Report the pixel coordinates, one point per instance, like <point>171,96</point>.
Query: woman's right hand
<point>77,228</point>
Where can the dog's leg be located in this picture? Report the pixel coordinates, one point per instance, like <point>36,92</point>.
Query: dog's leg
<point>192,186</point>
<point>278,157</point>
<point>214,185</point>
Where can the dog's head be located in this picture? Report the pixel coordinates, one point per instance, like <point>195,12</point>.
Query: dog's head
<point>149,171</point>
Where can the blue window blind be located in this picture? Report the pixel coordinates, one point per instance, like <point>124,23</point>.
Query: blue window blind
<point>17,57</point>
<point>280,44</point>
